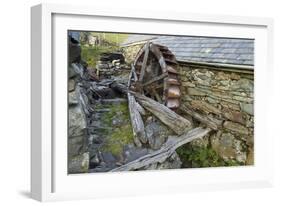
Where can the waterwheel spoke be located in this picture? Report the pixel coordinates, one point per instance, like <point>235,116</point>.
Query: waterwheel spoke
<point>146,52</point>
<point>162,76</point>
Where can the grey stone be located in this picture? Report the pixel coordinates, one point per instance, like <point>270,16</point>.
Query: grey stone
<point>243,99</point>
<point>235,127</point>
<point>211,100</point>
<point>248,108</point>
<point>76,120</point>
<point>108,157</point>
<point>228,147</point>
<point>72,98</point>
<point>132,153</point>
<point>156,132</point>
<point>195,92</point>
<point>235,116</point>
<point>79,163</point>
<point>71,85</point>
<point>245,84</point>
<point>71,73</point>
<point>188,84</point>
<point>76,145</point>
<point>75,53</point>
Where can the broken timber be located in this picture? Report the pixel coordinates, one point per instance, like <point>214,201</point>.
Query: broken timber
<point>171,119</point>
<point>166,151</point>
<point>136,119</point>
<point>207,120</point>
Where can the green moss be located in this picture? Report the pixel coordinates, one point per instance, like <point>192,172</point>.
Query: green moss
<point>195,156</point>
<point>119,137</point>
<point>120,134</point>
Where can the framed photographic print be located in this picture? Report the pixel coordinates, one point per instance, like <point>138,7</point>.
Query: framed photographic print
<point>135,102</point>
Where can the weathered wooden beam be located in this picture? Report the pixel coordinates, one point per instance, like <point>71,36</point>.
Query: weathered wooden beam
<point>140,109</point>
<point>174,121</point>
<point>135,117</point>
<point>166,150</point>
<point>136,122</point>
<point>211,122</point>
<point>133,74</point>
<point>144,62</point>
<point>156,51</point>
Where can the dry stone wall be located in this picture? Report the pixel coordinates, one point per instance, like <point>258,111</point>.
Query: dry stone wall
<point>228,98</point>
<point>78,157</point>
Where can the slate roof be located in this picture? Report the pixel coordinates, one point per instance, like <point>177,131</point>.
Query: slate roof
<point>204,49</point>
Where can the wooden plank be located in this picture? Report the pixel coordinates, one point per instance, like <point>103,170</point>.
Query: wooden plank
<point>174,121</point>
<point>166,150</point>
<point>134,75</point>
<point>135,117</point>
<point>208,121</point>
<point>144,62</point>
<point>136,121</point>
<point>155,50</point>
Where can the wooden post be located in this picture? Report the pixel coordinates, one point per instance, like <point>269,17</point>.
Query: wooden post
<point>144,62</point>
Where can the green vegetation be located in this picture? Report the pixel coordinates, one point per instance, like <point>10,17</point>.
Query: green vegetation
<point>113,38</point>
<point>108,42</point>
<point>118,139</point>
<point>121,133</point>
<point>195,156</point>
<point>91,54</point>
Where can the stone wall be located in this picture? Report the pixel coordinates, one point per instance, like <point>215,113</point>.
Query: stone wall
<point>78,157</point>
<point>227,97</point>
<point>130,52</point>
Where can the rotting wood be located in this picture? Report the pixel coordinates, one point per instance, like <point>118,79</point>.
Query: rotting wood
<point>166,150</point>
<point>144,63</point>
<point>134,75</point>
<point>156,51</point>
<point>140,109</point>
<point>208,121</point>
<point>136,119</point>
<point>171,119</point>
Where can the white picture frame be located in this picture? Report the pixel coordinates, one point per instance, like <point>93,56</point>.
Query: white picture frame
<point>49,179</point>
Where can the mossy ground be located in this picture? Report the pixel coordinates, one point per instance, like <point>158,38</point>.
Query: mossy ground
<point>121,133</point>
<point>196,157</point>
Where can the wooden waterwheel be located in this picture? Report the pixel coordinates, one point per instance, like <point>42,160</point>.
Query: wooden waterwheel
<point>157,77</point>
